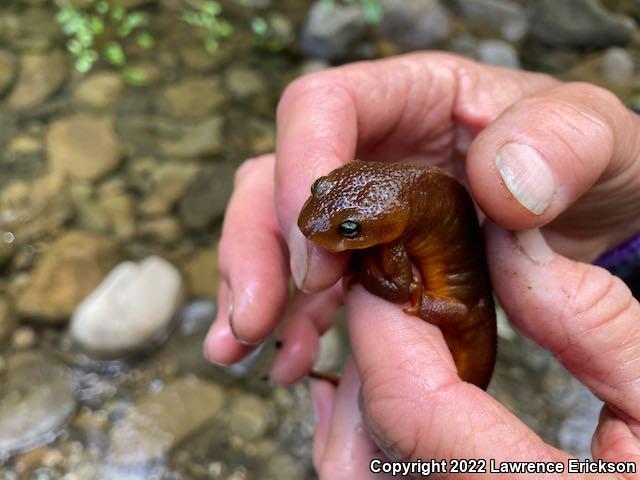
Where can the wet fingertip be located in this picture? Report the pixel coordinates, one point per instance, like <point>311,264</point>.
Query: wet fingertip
<point>240,338</point>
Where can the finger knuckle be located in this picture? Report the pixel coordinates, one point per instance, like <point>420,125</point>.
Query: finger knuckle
<point>599,299</point>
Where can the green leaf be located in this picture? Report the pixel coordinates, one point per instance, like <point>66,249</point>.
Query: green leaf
<point>259,26</point>
<point>373,12</point>
<point>102,7</point>
<point>114,54</point>
<point>134,76</point>
<point>96,25</point>
<point>211,8</point>
<point>145,40</point>
<point>211,44</point>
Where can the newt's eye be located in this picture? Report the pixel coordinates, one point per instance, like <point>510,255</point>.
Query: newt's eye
<point>349,229</point>
<point>317,187</point>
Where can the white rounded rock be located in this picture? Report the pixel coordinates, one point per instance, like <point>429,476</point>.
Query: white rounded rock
<point>133,305</point>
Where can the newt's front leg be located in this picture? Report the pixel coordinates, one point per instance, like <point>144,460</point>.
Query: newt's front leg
<point>384,271</point>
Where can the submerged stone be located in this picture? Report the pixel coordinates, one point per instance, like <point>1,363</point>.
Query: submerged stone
<point>132,306</point>
<point>38,398</point>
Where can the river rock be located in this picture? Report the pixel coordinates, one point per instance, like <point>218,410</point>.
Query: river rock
<point>617,66</point>
<point>168,184</point>
<point>133,305</point>
<point>164,230</point>
<point>83,146</point>
<point>498,52</point>
<point>100,90</point>
<point>202,274</point>
<point>207,197</point>
<point>193,97</point>
<point>119,207</point>
<point>203,139</point>
<point>157,422</point>
<point>37,401</point>
<point>7,319</point>
<point>504,16</point>
<point>30,210</point>
<point>243,82</point>
<point>40,76</point>
<point>67,272</point>
<point>7,70</point>
<point>248,417</point>
<point>416,24</point>
<point>579,23</point>
<point>330,351</point>
<point>331,30</point>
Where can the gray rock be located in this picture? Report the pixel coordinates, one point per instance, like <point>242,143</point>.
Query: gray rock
<point>83,146</point>
<point>164,230</point>
<point>7,70</point>
<point>40,76</point>
<point>331,30</point>
<point>157,422</point>
<point>168,184</point>
<point>30,210</point>
<point>249,417</point>
<point>207,197</point>
<point>203,139</point>
<point>193,97</point>
<point>243,82</point>
<point>504,16</point>
<point>498,52</point>
<point>37,401</point>
<point>617,66</point>
<point>579,23</point>
<point>68,271</point>
<point>100,90</point>
<point>416,24</point>
<point>7,319</point>
<point>131,307</point>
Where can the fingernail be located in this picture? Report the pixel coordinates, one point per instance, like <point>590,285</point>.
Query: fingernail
<point>231,326</point>
<point>299,256</point>
<point>527,175</point>
<point>533,245</point>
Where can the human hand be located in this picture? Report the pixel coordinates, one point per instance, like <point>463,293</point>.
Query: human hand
<point>428,108</point>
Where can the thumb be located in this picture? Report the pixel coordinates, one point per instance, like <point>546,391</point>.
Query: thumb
<point>542,154</point>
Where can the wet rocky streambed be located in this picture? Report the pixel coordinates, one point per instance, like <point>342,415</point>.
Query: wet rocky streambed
<point>113,184</point>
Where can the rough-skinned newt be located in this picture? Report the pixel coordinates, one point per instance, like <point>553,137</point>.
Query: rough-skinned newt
<point>395,216</point>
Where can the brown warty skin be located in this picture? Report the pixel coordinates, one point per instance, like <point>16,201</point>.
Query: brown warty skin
<point>394,215</point>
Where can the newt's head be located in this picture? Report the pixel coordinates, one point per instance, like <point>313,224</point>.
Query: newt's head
<point>356,206</point>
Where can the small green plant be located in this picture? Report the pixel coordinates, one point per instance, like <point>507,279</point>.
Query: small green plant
<point>97,32</point>
<point>371,9</point>
<point>206,14</point>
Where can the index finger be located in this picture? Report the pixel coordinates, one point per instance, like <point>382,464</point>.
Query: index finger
<point>405,107</point>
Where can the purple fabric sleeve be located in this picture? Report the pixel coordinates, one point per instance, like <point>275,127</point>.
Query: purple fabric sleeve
<point>626,252</point>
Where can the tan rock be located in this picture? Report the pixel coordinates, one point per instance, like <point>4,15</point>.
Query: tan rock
<point>193,97</point>
<point>201,273</point>
<point>67,272</point>
<point>84,146</point>
<point>40,76</point>
<point>100,90</point>
<point>31,209</point>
